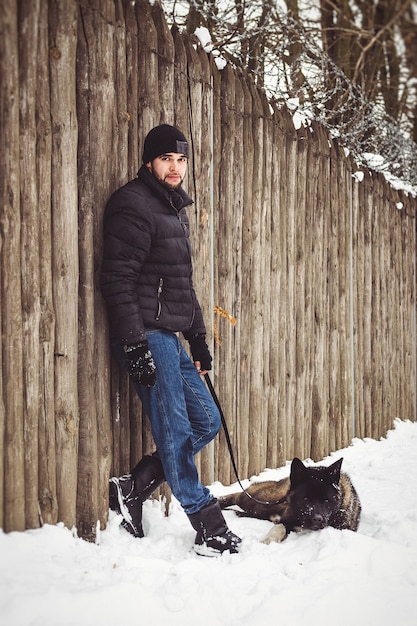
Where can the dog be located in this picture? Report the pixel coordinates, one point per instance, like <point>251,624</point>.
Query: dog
<point>311,498</point>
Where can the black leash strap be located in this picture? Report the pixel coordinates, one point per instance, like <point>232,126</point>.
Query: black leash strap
<point>229,445</point>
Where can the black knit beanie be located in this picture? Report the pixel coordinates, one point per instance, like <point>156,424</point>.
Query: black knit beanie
<point>163,139</point>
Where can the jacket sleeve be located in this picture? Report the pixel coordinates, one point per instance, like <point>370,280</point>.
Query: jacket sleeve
<point>127,234</point>
<point>198,326</point>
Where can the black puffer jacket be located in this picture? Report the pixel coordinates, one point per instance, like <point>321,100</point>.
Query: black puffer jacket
<point>146,276</point>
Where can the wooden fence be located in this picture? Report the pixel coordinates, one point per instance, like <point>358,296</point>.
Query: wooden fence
<point>317,268</point>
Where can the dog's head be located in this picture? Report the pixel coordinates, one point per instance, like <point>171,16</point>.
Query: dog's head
<point>315,494</point>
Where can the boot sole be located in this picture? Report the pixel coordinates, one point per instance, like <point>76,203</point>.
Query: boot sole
<point>204,550</point>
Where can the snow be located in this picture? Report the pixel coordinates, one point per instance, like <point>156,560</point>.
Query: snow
<point>204,36</point>
<point>359,176</point>
<point>50,577</point>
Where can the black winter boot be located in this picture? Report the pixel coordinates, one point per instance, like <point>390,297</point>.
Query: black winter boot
<point>213,535</point>
<point>127,493</point>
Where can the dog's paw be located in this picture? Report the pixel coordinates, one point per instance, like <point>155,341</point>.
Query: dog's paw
<point>276,534</point>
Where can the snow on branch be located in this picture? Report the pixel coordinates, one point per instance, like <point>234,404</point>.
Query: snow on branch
<point>286,57</point>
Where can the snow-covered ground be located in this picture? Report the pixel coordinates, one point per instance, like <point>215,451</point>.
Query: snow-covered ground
<point>48,577</point>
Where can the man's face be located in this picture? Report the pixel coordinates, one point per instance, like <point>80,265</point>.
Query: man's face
<point>169,169</point>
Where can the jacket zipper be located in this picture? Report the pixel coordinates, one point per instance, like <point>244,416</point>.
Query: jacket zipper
<point>160,287</point>
<point>183,226</point>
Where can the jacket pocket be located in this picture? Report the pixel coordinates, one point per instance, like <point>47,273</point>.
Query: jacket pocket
<point>159,298</point>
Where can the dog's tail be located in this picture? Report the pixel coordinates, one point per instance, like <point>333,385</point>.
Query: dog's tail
<point>350,505</point>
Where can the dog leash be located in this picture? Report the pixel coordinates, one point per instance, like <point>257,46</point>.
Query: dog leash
<point>230,448</point>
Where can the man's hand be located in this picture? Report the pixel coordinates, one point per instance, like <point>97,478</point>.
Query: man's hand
<point>199,370</point>
<point>201,354</point>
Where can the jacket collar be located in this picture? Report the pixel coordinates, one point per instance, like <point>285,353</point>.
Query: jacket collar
<point>176,198</point>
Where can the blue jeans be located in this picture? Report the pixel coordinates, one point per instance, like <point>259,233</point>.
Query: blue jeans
<point>184,418</point>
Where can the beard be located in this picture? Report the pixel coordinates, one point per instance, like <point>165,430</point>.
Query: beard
<point>164,182</point>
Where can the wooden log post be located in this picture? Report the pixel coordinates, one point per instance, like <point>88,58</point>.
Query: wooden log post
<point>276,424</point>
<point>386,315</point>
<point>302,299</point>
<point>180,81</point>
<point>111,129</point>
<point>320,377</point>
<point>215,191</point>
<point>255,299</point>
<point>336,261</point>
<point>47,455</point>
<point>12,492</point>
<point>28,67</point>
<point>97,115</point>
<point>131,87</point>
<point>406,212</point>
<point>225,220</point>
<point>149,109</point>
<point>358,250</point>
<point>345,303</point>
<point>368,332</point>
<point>289,243</point>
<point>166,54</point>
<point>243,194</point>
<point>62,65</point>
<point>310,165</point>
<point>265,255</point>
<point>283,126</point>
<point>378,341</point>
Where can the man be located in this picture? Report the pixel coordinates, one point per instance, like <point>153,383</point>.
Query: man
<point>147,284</point>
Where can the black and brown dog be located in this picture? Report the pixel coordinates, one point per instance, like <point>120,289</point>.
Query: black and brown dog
<point>311,498</point>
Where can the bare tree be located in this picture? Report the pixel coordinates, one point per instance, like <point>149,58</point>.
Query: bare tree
<point>351,64</point>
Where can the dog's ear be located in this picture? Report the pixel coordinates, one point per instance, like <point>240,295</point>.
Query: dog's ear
<point>334,470</point>
<point>298,470</point>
